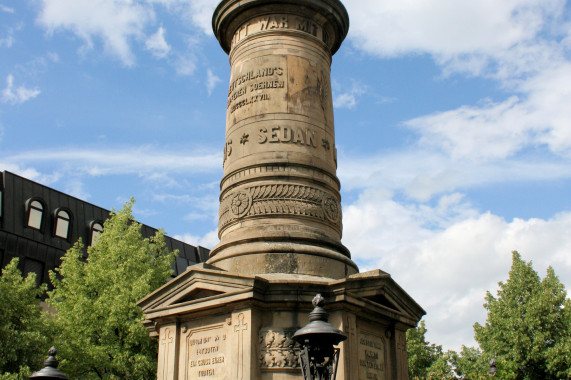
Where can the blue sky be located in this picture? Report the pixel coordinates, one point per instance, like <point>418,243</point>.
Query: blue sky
<point>453,123</point>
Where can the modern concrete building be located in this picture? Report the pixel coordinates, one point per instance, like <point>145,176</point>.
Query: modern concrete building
<point>39,224</point>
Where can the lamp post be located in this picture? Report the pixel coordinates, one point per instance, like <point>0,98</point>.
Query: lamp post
<point>50,370</point>
<point>318,357</point>
<point>493,368</point>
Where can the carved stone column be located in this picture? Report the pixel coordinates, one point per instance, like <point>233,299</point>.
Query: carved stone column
<point>280,207</point>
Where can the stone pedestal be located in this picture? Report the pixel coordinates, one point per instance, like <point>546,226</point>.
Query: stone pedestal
<point>280,218</point>
<point>213,324</point>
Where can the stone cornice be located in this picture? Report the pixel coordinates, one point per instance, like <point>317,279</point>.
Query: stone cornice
<point>230,14</point>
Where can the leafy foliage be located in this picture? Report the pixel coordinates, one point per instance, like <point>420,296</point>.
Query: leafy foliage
<point>22,333</point>
<point>470,363</point>
<point>99,324</point>
<point>529,325</point>
<point>425,360</point>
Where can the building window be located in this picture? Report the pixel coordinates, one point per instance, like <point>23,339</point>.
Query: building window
<point>96,230</point>
<point>1,196</point>
<point>34,266</point>
<point>63,224</point>
<point>35,211</point>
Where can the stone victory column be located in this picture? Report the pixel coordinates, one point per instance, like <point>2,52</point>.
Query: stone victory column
<point>280,218</point>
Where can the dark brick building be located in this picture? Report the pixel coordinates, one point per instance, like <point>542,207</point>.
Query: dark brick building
<point>39,224</point>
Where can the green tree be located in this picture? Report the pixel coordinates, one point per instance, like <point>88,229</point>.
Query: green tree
<point>23,336</point>
<point>99,324</point>
<point>470,363</point>
<point>528,327</point>
<point>425,360</point>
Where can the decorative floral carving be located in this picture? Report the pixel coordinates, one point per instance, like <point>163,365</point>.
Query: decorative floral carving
<point>331,208</point>
<point>244,138</point>
<point>277,349</point>
<point>325,143</point>
<point>241,203</point>
<point>280,199</point>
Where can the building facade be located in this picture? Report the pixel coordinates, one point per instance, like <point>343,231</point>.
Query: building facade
<point>39,224</point>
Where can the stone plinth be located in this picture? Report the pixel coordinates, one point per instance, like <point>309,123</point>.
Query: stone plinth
<point>280,207</point>
<point>217,325</point>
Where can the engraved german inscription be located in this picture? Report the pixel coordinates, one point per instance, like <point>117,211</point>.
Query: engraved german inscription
<point>274,22</point>
<point>254,74</point>
<point>371,357</point>
<point>206,353</point>
<point>288,135</point>
<point>227,151</point>
<point>278,22</point>
<point>242,92</point>
<point>306,25</point>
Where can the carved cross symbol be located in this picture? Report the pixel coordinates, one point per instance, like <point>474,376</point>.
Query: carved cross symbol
<point>166,342</point>
<point>244,138</point>
<point>240,328</point>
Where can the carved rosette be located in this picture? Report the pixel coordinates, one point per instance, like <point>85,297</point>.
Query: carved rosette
<point>331,208</point>
<point>277,349</point>
<point>266,200</point>
<point>240,203</point>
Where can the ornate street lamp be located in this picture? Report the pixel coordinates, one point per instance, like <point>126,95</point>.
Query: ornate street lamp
<point>50,370</point>
<point>493,368</point>
<point>318,357</point>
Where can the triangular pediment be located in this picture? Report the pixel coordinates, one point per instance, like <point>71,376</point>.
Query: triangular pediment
<point>378,289</point>
<point>197,294</point>
<point>197,284</point>
<point>382,300</point>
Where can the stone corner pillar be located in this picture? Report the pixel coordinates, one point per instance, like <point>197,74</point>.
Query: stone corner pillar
<point>280,206</point>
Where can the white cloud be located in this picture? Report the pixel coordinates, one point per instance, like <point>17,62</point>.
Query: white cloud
<point>209,240</point>
<point>201,13</point>
<point>6,9</point>
<point>186,64</point>
<point>211,81</point>
<point>17,95</point>
<point>348,98</point>
<point>447,256</point>
<point>446,27</point>
<point>53,56</point>
<point>29,172</point>
<point>130,160</point>
<point>157,44</point>
<point>422,173</point>
<point>518,43</point>
<point>205,206</point>
<point>76,188</point>
<point>7,41</point>
<point>115,22</point>
<point>500,130</point>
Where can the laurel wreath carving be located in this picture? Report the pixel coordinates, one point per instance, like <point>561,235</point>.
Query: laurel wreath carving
<point>278,349</point>
<point>279,199</point>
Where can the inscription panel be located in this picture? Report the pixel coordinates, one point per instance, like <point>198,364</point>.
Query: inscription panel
<point>272,137</point>
<point>257,86</point>
<point>371,357</point>
<point>275,22</point>
<point>206,353</point>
